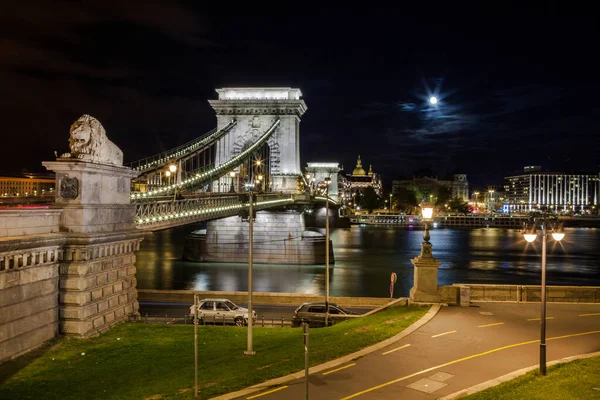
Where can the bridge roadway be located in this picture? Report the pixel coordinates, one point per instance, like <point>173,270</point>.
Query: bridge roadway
<point>458,348</point>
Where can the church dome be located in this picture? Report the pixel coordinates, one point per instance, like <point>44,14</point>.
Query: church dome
<point>359,169</point>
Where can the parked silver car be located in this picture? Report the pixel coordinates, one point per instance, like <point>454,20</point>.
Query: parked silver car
<point>222,310</point>
<point>314,314</point>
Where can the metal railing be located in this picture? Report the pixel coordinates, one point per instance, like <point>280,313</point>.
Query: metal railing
<point>185,150</point>
<point>201,177</point>
<point>152,213</point>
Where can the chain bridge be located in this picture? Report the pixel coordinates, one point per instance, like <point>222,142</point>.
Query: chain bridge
<point>254,148</point>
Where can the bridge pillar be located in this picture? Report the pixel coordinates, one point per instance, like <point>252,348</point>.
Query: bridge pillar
<point>256,109</point>
<point>97,285</point>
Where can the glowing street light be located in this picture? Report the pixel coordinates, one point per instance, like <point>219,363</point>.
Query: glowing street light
<point>530,235</point>
<point>327,183</point>
<point>433,100</point>
<point>232,188</point>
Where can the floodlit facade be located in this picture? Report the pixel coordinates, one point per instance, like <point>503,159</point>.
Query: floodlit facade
<point>557,192</point>
<point>30,185</point>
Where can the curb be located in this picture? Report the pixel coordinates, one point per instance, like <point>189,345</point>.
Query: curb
<point>333,363</point>
<point>510,376</point>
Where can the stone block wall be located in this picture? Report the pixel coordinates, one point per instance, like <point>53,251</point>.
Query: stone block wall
<point>98,285</point>
<point>28,279</point>
<point>522,294</point>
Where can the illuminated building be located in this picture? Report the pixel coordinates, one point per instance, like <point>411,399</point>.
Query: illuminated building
<point>27,185</point>
<point>552,191</point>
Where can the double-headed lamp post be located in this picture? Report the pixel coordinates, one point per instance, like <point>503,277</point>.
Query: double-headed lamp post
<point>327,183</point>
<point>530,234</point>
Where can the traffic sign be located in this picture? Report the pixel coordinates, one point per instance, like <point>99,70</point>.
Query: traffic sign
<point>393,278</point>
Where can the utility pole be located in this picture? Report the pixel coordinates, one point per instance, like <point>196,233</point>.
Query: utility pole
<point>250,351</point>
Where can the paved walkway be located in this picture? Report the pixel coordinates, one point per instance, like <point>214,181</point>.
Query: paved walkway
<point>460,347</point>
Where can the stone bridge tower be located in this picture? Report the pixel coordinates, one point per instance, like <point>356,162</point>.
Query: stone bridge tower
<point>256,109</point>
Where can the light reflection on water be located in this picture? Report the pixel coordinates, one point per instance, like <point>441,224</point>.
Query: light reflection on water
<point>366,256</point>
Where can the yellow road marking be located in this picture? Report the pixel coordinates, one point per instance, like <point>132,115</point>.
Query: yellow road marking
<point>460,360</point>
<point>397,348</point>
<point>589,315</point>
<point>445,333</point>
<point>485,326</point>
<point>538,319</point>
<point>269,392</point>
<point>339,369</point>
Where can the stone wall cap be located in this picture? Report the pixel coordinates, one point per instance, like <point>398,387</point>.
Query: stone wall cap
<point>70,164</point>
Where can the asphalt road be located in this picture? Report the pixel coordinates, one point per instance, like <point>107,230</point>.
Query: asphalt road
<point>460,347</point>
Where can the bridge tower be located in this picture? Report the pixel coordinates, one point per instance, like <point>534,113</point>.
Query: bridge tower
<point>256,109</point>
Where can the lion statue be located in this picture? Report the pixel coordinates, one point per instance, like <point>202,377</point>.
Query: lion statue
<point>88,142</point>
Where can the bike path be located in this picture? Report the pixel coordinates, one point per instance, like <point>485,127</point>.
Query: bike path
<point>460,347</point>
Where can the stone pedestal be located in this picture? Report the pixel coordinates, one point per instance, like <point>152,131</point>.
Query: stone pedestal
<point>97,285</point>
<point>425,288</point>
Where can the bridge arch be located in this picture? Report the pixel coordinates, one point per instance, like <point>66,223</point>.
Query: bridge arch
<point>255,110</point>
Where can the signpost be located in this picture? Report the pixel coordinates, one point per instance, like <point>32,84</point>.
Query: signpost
<point>393,279</point>
<point>305,339</point>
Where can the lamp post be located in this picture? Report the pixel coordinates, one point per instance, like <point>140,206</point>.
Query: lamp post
<point>391,203</point>
<point>232,188</point>
<point>425,288</point>
<point>172,170</point>
<point>530,235</point>
<point>327,183</point>
<point>249,350</point>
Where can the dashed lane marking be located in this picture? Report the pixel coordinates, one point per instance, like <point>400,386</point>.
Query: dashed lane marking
<point>589,315</point>
<point>338,369</point>
<point>460,360</point>
<point>485,326</point>
<point>397,348</point>
<point>538,319</point>
<point>442,334</point>
<point>264,393</point>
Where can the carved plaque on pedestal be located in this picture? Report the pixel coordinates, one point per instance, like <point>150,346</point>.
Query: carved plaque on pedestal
<point>69,188</point>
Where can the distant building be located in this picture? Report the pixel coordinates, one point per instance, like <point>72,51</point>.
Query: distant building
<point>460,187</point>
<point>316,172</point>
<point>27,185</point>
<point>554,191</point>
<point>358,180</point>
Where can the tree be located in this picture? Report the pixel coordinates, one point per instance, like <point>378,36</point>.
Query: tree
<point>405,199</point>
<point>458,205</point>
<point>370,199</point>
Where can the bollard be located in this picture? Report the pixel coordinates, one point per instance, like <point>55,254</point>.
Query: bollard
<point>214,320</point>
<point>282,322</point>
<point>223,320</point>
<point>165,318</point>
<point>263,321</point>
<point>146,317</point>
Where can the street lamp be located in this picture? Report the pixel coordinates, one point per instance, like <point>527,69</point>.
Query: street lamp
<point>530,235</point>
<point>391,202</point>
<point>427,213</point>
<point>327,183</point>
<point>250,350</point>
<point>232,188</point>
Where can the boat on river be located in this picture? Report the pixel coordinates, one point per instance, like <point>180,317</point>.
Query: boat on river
<point>385,219</point>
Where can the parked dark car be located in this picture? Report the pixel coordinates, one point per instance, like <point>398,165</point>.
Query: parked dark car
<point>314,314</point>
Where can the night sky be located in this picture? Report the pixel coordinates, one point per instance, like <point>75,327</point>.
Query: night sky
<point>513,91</point>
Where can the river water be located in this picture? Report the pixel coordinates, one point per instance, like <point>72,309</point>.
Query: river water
<point>365,256</point>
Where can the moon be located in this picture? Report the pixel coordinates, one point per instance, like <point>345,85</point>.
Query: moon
<point>433,100</point>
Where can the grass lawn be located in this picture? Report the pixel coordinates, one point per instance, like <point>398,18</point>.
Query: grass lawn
<point>574,380</point>
<point>142,361</point>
